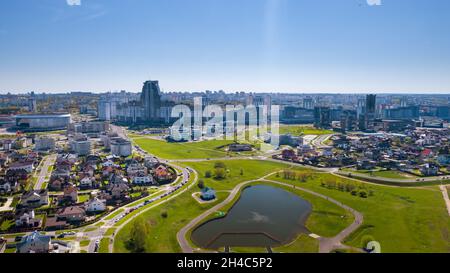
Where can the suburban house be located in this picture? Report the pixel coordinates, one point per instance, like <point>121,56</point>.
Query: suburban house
<point>429,169</point>
<point>87,182</point>
<point>117,179</point>
<point>34,243</point>
<point>8,186</point>
<point>57,184</point>
<point>28,166</point>
<point>34,199</point>
<point>62,170</point>
<point>52,223</point>
<point>70,194</point>
<point>71,214</point>
<point>288,154</point>
<point>135,169</point>
<point>151,162</point>
<point>118,191</point>
<point>162,173</point>
<point>95,205</point>
<point>143,179</point>
<point>27,219</point>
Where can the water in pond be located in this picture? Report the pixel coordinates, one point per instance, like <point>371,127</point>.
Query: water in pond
<point>263,216</point>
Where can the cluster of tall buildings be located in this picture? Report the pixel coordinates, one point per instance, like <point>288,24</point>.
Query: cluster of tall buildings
<point>362,118</point>
<point>147,109</point>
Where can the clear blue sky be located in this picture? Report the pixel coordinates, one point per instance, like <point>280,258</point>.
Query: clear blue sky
<point>234,45</point>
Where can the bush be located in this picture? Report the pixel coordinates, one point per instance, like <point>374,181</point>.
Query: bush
<point>363,193</point>
<point>164,214</point>
<point>208,174</point>
<point>220,173</point>
<point>201,184</point>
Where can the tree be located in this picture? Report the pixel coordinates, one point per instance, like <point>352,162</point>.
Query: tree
<point>138,236</point>
<point>242,172</point>
<point>201,184</point>
<point>208,174</point>
<point>219,173</point>
<point>220,164</point>
<point>363,193</point>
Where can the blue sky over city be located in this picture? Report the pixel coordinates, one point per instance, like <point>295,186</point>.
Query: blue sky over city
<point>234,45</point>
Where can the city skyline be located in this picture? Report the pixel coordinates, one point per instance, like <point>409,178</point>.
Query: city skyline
<point>269,46</point>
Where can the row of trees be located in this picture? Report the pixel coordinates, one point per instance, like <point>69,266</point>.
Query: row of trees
<point>301,176</point>
<point>355,190</point>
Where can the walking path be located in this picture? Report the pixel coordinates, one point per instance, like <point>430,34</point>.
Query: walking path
<point>446,198</point>
<point>326,245</point>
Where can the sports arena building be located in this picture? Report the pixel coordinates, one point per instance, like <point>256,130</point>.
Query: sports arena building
<point>43,122</point>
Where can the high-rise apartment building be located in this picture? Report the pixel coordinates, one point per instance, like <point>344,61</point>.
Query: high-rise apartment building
<point>151,101</point>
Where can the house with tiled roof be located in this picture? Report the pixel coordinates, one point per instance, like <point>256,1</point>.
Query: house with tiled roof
<point>71,214</point>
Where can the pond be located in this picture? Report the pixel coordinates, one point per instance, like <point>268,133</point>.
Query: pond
<point>264,216</point>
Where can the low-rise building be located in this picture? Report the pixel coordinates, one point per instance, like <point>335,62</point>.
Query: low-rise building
<point>71,214</point>
<point>95,205</point>
<point>143,179</point>
<point>239,147</point>
<point>34,199</point>
<point>28,166</point>
<point>121,147</point>
<point>44,143</point>
<point>34,243</point>
<point>80,145</point>
<point>27,219</point>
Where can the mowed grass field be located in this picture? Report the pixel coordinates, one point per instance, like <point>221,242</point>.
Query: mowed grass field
<point>303,130</point>
<point>326,218</point>
<point>401,219</point>
<point>190,150</point>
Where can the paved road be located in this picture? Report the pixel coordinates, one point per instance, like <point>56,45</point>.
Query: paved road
<point>318,142</point>
<point>326,244</point>
<point>446,198</point>
<point>385,179</point>
<point>48,161</point>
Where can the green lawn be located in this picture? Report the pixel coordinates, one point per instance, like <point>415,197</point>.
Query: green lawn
<point>6,225</point>
<point>303,130</point>
<point>167,150</point>
<point>84,243</point>
<point>110,231</point>
<point>252,169</point>
<point>303,244</point>
<point>104,245</point>
<point>401,219</point>
<point>162,236</point>
<point>83,198</point>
